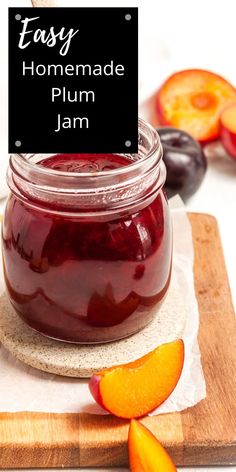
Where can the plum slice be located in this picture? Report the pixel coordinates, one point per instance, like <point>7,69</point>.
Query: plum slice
<point>228,129</point>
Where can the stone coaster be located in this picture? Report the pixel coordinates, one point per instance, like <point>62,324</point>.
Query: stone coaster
<point>82,360</point>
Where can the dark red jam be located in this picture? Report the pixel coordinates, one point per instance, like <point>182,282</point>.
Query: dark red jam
<point>83,279</point>
<point>85,162</point>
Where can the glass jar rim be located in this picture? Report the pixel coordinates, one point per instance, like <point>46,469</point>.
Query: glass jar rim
<point>115,189</point>
<point>142,124</point>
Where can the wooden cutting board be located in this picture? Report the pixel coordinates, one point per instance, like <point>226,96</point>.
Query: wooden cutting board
<point>202,435</point>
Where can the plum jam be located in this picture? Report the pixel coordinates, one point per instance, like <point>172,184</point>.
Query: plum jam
<point>85,162</point>
<point>87,241</point>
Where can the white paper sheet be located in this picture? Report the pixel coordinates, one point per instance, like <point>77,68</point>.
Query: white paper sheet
<point>23,388</point>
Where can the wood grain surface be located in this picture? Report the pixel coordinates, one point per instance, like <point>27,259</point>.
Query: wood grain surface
<point>202,435</point>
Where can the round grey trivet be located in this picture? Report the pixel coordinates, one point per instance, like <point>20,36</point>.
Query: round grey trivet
<point>82,360</point>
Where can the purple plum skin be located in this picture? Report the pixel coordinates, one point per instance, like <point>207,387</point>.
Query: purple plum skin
<point>185,162</point>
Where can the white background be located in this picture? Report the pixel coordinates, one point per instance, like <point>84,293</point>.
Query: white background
<point>173,34</point>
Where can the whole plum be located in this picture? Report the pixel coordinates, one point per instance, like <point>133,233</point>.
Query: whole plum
<point>185,162</point>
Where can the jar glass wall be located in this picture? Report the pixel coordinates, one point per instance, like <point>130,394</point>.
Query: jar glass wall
<point>87,255</point>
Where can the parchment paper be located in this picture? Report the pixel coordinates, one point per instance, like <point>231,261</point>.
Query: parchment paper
<point>23,388</point>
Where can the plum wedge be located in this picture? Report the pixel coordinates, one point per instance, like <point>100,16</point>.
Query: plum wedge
<point>146,454</point>
<point>228,129</point>
<point>133,390</point>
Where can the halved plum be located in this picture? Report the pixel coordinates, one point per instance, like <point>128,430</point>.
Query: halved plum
<point>192,100</point>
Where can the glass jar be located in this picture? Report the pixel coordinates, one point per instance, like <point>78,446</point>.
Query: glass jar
<point>87,256</point>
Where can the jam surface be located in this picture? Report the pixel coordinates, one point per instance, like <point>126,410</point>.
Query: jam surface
<point>85,162</point>
<point>83,280</point>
